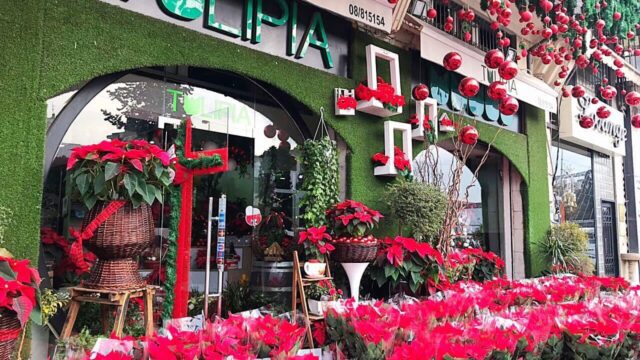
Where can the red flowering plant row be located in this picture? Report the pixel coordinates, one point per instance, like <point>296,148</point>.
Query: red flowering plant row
<point>135,170</point>
<point>424,269</point>
<point>549,318</point>
<point>385,93</point>
<point>235,338</point>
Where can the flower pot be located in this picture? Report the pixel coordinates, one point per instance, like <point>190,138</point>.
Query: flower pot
<point>117,243</point>
<point>315,269</point>
<point>9,332</point>
<point>354,252</point>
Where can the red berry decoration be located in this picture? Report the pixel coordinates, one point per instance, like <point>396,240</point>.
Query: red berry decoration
<point>452,61</point>
<point>420,92</point>
<point>469,87</point>
<point>577,91</point>
<point>632,98</point>
<point>497,90</point>
<point>509,106</point>
<point>494,58</point>
<point>508,70</point>
<point>468,135</point>
<point>635,121</point>
<point>603,112</point>
<point>586,122</point>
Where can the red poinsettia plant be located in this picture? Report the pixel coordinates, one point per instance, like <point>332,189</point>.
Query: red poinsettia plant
<point>400,162</point>
<point>135,170</point>
<point>403,259</point>
<point>19,290</point>
<point>385,93</point>
<point>317,242</point>
<point>351,218</point>
<point>346,103</point>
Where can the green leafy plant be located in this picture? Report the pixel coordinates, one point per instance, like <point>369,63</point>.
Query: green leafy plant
<point>323,288</point>
<point>320,183</point>
<point>419,208</point>
<point>76,347</point>
<point>565,249</point>
<point>51,301</point>
<point>116,170</point>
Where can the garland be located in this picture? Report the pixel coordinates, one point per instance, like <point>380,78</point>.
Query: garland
<point>175,201</point>
<point>201,162</point>
<point>320,184</point>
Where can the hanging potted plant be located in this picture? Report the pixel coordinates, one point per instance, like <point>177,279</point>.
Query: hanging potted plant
<point>317,245</point>
<point>320,295</point>
<point>19,294</point>
<point>117,181</point>
<point>352,223</point>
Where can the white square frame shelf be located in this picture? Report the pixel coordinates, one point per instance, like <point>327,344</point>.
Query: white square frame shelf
<point>374,106</point>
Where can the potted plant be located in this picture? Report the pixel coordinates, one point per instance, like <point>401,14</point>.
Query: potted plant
<point>118,181</point>
<point>352,223</point>
<point>320,295</point>
<point>316,244</point>
<point>19,294</point>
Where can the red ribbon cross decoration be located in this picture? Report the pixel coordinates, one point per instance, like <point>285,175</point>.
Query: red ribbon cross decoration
<point>184,179</point>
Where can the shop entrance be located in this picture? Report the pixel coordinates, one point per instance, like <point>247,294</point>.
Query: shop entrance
<point>261,126</point>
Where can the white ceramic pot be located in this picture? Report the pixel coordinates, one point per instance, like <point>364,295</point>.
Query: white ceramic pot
<point>316,307</point>
<point>315,269</point>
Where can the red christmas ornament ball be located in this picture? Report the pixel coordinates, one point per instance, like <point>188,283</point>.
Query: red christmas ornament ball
<point>586,122</point>
<point>452,61</point>
<point>432,13</point>
<point>577,91</point>
<point>603,112</point>
<point>469,135</point>
<point>497,90</point>
<point>420,92</point>
<point>509,106</point>
<point>508,70</point>
<point>617,16</point>
<point>494,58</point>
<point>595,100</point>
<point>635,121</point>
<point>282,135</point>
<point>469,87</point>
<point>632,98</point>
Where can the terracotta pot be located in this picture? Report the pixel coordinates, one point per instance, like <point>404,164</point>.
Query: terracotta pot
<point>10,327</point>
<point>117,243</point>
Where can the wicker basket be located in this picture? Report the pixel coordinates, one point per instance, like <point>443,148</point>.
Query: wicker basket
<point>117,243</point>
<point>9,332</point>
<point>354,253</point>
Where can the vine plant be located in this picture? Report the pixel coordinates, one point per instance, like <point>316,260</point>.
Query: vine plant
<point>320,184</point>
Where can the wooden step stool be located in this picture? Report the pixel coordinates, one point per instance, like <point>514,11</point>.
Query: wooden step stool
<point>117,298</point>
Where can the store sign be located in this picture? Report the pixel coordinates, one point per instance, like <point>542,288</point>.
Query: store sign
<point>435,44</point>
<point>371,13</point>
<point>607,136</point>
<point>294,30</point>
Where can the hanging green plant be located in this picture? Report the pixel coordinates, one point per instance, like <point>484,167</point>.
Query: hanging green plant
<point>320,184</point>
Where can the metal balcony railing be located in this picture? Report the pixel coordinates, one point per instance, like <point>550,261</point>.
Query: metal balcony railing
<point>482,36</point>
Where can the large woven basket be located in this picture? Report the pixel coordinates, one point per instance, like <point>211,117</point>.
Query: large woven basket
<point>117,243</point>
<point>354,253</point>
<point>9,332</point>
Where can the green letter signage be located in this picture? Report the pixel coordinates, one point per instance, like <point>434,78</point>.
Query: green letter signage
<point>321,43</point>
<point>183,10</point>
<point>261,17</point>
<point>220,27</point>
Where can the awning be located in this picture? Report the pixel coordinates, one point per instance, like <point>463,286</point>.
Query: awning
<point>435,44</point>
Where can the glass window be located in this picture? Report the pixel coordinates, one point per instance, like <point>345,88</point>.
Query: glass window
<point>573,190</point>
<point>227,111</point>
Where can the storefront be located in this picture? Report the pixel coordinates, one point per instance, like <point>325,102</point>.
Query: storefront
<point>131,73</point>
<point>587,155</point>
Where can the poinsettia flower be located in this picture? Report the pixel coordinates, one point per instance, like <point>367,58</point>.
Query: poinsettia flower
<point>380,158</point>
<point>346,103</point>
<point>395,255</point>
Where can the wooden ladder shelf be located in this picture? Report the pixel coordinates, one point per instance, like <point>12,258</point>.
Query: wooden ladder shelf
<point>298,295</point>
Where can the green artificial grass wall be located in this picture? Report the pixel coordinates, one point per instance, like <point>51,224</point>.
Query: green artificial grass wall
<point>48,49</point>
